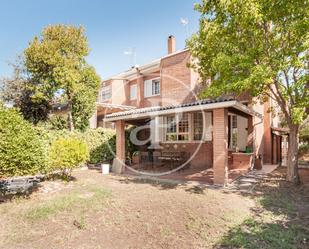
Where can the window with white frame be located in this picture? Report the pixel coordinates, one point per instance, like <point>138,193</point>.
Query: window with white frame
<point>233,131</point>
<point>197,126</point>
<point>183,126</point>
<point>171,128</point>
<point>106,93</point>
<point>151,87</point>
<point>133,92</point>
<point>188,127</point>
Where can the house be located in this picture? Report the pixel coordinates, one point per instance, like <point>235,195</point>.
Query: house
<point>161,99</point>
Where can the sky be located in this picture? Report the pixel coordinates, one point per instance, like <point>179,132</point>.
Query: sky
<point>112,27</point>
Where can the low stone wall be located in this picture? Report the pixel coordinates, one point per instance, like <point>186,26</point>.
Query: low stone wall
<point>304,174</point>
<point>240,160</point>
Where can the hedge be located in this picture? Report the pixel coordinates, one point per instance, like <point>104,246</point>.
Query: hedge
<point>21,149</point>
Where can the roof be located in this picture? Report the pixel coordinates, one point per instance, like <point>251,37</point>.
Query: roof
<point>205,104</point>
<point>280,130</point>
<point>115,106</point>
<point>143,68</point>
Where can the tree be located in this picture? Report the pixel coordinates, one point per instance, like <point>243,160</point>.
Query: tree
<point>16,91</point>
<point>85,98</point>
<point>56,63</point>
<point>258,46</point>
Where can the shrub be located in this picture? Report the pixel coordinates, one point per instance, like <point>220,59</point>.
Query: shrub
<point>21,150</point>
<point>66,154</point>
<point>101,143</point>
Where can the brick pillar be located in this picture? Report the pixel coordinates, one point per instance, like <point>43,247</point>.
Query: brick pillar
<point>250,132</point>
<point>120,140</point>
<point>267,133</point>
<point>220,146</point>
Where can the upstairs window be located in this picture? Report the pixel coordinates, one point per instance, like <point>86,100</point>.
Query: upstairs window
<point>133,92</point>
<point>106,93</point>
<point>151,87</point>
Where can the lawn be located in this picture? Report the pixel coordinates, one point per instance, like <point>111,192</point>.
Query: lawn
<point>96,211</point>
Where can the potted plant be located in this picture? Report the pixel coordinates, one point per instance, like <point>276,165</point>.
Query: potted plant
<point>135,157</point>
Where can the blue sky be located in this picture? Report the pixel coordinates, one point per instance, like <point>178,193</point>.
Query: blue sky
<point>112,27</point>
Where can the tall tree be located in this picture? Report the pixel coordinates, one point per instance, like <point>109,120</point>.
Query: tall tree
<point>16,91</point>
<point>56,62</point>
<point>259,46</point>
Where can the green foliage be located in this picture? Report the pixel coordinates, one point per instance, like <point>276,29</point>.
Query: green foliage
<point>17,90</point>
<point>54,122</point>
<point>255,46</point>
<point>56,63</point>
<point>21,150</point>
<point>304,135</point>
<point>101,143</point>
<point>66,154</point>
<point>85,98</point>
<point>130,147</point>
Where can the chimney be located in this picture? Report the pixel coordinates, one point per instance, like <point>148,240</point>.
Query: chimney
<point>171,44</point>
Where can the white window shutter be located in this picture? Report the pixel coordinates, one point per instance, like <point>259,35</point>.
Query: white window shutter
<point>208,126</point>
<point>147,88</point>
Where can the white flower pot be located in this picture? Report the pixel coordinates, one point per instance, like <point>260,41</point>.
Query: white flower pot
<point>105,168</point>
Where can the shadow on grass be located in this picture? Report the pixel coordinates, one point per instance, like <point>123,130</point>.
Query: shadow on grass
<point>166,184</point>
<point>280,219</point>
<point>163,184</point>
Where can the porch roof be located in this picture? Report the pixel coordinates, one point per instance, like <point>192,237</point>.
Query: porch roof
<point>115,106</point>
<point>205,104</point>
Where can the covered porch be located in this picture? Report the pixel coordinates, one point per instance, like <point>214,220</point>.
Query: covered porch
<point>208,140</point>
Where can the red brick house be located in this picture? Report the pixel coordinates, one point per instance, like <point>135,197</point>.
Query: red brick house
<point>223,133</point>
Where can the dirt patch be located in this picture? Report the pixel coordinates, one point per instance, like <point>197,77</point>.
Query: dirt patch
<point>135,214</point>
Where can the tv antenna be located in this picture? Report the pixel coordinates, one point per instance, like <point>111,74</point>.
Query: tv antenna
<point>185,22</point>
<point>132,53</point>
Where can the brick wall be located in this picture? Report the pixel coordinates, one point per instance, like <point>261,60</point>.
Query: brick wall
<point>220,147</point>
<point>203,153</point>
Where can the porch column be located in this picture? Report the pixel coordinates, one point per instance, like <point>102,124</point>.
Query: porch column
<point>220,146</point>
<point>250,132</point>
<point>120,147</point>
<point>284,150</point>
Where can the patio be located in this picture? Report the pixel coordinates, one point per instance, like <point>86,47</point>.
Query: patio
<point>196,174</point>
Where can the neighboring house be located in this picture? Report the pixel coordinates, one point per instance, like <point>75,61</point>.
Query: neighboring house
<point>161,95</point>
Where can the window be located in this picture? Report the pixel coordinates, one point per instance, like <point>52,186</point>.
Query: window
<point>177,127</point>
<point>197,126</point>
<point>151,87</point>
<point>233,132</point>
<point>188,127</point>
<point>183,127</point>
<point>155,87</point>
<point>133,92</point>
<point>171,129</point>
<point>106,93</point>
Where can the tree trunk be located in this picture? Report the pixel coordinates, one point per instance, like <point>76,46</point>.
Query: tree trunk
<point>70,116</point>
<point>292,162</point>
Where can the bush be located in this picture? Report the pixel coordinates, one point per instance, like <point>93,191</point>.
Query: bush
<point>21,150</point>
<point>101,143</point>
<point>66,154</point>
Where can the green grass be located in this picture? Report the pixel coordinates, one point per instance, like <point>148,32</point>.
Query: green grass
<point>277,202</point>
<point>75,201</point>
<point>255,235</point>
